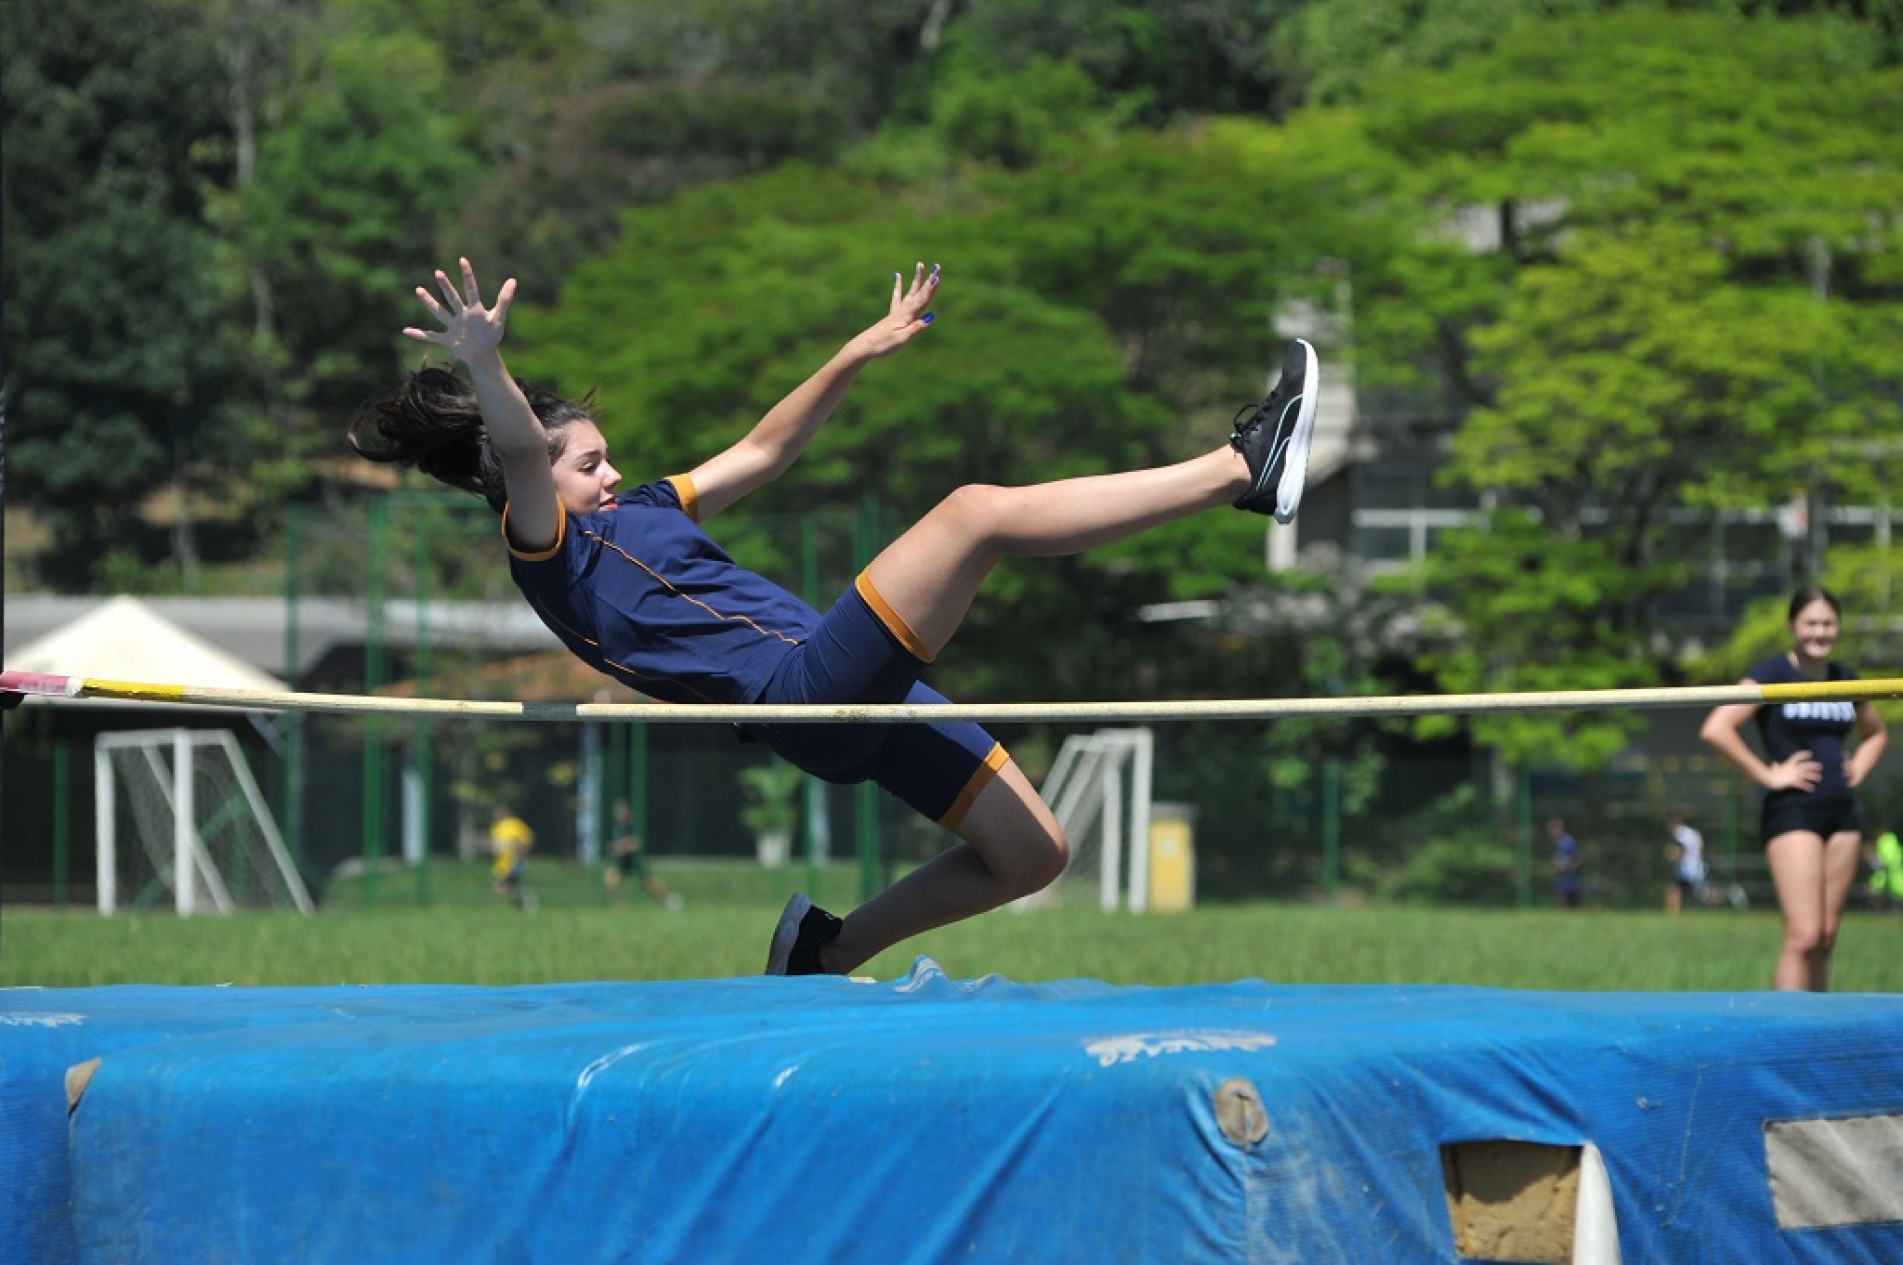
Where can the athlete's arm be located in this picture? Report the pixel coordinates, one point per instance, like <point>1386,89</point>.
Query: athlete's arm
<point>1721,731</point>
<point>1872,737</point>
<point>779,437</point>
<point>474,333</point>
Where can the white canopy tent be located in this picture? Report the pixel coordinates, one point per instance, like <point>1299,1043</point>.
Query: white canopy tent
<point>174,808</point>
<point>124,639</point>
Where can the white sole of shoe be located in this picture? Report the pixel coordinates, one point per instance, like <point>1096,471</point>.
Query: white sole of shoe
<point>1288,493</point>
<point>787,933</point>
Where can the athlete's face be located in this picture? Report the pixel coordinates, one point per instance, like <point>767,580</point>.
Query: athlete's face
<point>1814,631</point>
<point>584,480</point>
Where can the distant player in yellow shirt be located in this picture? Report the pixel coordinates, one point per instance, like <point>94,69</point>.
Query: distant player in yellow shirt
<point>510,840</point>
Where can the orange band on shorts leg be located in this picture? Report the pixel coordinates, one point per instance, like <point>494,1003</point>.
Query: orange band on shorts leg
<point>890,618</point>
<point>998,758</point>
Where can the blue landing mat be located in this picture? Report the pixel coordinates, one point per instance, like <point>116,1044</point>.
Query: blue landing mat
<point>927,1119</point>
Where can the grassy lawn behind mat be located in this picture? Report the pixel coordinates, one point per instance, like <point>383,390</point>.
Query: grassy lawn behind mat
<point>724,929</point>
<point>566,884</point>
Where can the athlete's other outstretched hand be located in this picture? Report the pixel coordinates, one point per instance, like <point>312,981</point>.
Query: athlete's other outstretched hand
<point>905,318</point>
<point>470,330</point>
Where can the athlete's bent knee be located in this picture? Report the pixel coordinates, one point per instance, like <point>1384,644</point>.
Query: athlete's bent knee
<point>972,510</point>
<point>1042,864</point>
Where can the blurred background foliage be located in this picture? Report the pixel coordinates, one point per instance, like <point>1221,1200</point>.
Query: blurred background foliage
<point>215,212</point>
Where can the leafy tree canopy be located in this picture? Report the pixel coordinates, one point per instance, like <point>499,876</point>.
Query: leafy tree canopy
<point>118,354</point>
<point>1691,236</point>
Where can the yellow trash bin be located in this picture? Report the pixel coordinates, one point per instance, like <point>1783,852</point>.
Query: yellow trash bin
<point>1172,858</point>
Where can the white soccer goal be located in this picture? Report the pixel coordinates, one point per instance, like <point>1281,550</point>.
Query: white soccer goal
<point>1099,790</point>
<point>178,811</point>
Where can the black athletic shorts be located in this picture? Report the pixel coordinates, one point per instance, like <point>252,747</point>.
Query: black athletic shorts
<point>1785,811</point>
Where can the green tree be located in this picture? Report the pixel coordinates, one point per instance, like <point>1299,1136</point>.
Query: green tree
<point>1170,60</point>
<point>1689,249</point>
<point>1013,119</point>
<point>642,100</point>
<point>342,219</point>
<point>119,352</point>
<point>1338,49</point>
<point>215,210</point>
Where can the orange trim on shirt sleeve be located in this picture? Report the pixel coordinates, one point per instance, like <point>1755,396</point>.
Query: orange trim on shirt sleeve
<point>690,498</point>
<point>540,555</point>
<point>998,758</point>
<point>894,624</point>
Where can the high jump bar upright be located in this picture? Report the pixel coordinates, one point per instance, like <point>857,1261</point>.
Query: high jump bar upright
<point>30,684</point>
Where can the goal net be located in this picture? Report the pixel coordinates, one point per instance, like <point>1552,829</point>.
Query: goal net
<point>178,813</point>
<point>1099,790</point>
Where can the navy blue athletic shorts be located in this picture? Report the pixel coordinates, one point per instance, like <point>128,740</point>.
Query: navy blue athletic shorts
<point>862,652</point>
<point>1787,811</point>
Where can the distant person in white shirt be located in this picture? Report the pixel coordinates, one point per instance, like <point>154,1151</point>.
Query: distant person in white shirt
<point>1687,853</point>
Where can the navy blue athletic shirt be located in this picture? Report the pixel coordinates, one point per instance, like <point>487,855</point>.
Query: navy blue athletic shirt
<point>640,593</point>
<point>1819,728</point>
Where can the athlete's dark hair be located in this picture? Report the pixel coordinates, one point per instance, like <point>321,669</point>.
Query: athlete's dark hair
<point>1808,594</point>
<point>434,424</point>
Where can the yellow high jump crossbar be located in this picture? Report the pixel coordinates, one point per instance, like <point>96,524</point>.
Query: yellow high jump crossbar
<point>75,687</point>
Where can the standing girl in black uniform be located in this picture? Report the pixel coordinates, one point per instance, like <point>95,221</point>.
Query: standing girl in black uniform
<point>1811,828</point>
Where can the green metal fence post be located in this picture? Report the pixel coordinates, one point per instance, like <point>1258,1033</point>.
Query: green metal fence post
<point>62,820</point>
<point>373,670</point>
<point>1331,828</point>
<point>867,814</point>
<point>294,754</point>
<point>818,830</point>
<point>1523,788</point>
<point>425,732</point>
<point>638,783</point>
<point>1731,830</point>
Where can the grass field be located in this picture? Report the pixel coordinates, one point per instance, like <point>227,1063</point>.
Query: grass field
<point>467,935</point>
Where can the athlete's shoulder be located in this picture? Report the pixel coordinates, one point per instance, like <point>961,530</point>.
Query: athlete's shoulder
<point>1777,668</point>
<point>660,494</point>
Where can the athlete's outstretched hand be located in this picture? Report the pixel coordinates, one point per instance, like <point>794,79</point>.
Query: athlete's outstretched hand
<point>906,317</point>
<point>470,330</point>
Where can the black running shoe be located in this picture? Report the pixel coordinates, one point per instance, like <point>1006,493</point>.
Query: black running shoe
<point>1274,437</point>
<point>804,929</point>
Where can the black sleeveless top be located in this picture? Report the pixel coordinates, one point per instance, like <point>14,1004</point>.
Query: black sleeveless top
<point>1820,728</point>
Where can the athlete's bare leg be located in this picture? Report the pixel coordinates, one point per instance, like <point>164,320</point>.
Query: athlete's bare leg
<point>1010,846</point>
<point>930,575</point>
<point>1813,879</point>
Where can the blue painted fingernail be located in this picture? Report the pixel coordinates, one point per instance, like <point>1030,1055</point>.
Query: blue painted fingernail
<point>928,318</point>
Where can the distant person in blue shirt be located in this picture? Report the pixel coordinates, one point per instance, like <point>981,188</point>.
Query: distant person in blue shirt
<point>634,587</point>
<point>1810,824</point>
<point>1565,864</point>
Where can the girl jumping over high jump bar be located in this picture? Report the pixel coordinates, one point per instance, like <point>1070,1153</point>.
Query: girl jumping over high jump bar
<point>630,583</point>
